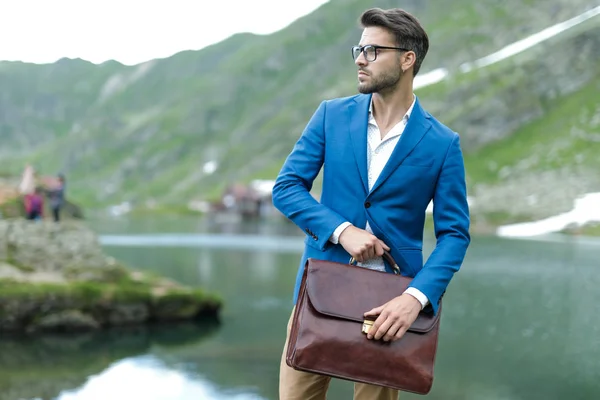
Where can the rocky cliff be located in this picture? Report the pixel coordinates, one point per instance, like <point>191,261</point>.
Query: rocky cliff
<point>531,127</point>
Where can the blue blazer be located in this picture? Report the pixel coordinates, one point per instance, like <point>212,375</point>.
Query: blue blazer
<point>426,164</point>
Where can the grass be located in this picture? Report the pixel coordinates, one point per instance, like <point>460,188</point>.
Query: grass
<point>82,293</point>
<point>100,292</point>
<point>591,229</point>
<point>91,295</point>
<point>567,136</point>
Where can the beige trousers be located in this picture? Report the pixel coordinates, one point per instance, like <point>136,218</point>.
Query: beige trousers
<point>298,385</point>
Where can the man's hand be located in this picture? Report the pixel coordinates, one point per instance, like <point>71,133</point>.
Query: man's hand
<point>361,244</point>
<point>394,318</point>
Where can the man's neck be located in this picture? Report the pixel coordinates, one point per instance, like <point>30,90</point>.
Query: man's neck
<point>390,107</point>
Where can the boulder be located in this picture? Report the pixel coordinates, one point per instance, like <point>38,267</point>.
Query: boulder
<point>49,246</point>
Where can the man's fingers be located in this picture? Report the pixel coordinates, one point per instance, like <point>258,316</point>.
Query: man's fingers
<point>358,256</point>
<point>376,324</point>
<point>400,332</point>
<point>374,311</point>
<point>365,247</point>
<point>370,253</point>
<point>383,328</point>
<point>379,248</point>
<point>361,256</point>
<point>380,327</point>
<point>391,333</point>
<point>385,246</point>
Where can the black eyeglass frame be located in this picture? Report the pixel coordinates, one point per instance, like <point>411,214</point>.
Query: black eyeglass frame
<point>363,50</point>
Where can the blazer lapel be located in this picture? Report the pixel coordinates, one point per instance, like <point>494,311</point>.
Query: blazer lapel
<point>417,127</point>
<point>358,115</point>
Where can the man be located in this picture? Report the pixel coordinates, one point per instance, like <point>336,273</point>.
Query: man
<point>385,158</point>
<point>57,197</point>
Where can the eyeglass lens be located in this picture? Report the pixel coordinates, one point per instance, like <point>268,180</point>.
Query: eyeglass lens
<point>368,51</point>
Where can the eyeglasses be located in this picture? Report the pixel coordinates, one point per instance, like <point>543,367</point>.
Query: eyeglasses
<point>370,51</point>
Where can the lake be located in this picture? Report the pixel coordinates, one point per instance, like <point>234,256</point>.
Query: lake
<point>521,321</point>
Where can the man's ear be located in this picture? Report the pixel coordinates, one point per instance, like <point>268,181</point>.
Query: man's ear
<point>407,60</point>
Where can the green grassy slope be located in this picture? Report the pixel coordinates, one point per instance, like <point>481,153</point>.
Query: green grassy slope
<point>145,132</point>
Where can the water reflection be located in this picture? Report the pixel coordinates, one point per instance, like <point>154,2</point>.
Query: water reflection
<point>149,378</point>
<point>51,365</point>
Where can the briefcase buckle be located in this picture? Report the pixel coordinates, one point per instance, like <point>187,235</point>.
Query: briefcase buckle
<point>367,324</point>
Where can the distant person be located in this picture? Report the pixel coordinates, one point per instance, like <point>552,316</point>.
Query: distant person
<point>28,181</point>
<point>34,205</point>
<point>385,158</point>
<point>56,194</point>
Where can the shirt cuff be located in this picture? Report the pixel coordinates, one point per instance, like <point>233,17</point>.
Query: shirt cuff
<point>416,293</point>
<point>335,236</point>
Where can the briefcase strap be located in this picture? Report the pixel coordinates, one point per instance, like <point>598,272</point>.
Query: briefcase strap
<point>388,257</point>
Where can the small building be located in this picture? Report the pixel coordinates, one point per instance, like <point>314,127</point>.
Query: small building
<point>252,200</point>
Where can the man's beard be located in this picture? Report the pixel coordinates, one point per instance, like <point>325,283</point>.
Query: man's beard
<point>382,83</point>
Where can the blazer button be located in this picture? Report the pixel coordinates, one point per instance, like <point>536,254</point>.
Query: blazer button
<point>316,238</point>
<point>367,204</point>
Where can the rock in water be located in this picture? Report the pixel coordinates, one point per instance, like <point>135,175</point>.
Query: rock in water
<point>55,277</point>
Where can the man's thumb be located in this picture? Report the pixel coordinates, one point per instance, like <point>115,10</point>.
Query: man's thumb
<point>374,311</point>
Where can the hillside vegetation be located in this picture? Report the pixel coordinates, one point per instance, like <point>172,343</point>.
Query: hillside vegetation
<point>150,132</point>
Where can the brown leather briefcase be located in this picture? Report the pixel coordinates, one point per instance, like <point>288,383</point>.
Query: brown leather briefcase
<point>327,334</point>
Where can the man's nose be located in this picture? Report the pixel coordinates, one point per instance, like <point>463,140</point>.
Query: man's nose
<point>360,60</point>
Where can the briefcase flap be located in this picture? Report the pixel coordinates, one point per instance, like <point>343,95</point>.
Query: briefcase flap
<point>347,291</point>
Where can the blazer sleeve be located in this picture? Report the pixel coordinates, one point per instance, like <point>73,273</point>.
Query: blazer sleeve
<point>451,224</point>
<point>291,191</point>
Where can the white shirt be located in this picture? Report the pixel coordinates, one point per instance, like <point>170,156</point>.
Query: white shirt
<point>379,152</point>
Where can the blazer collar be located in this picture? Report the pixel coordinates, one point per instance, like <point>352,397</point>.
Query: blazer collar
<point>358,114</point>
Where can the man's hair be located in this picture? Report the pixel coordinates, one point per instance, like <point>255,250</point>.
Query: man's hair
<point>405,27</point>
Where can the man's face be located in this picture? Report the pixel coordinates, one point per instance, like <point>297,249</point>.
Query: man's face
<point>383,73</point>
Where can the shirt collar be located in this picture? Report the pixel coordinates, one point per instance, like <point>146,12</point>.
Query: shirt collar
<point>406,116</point>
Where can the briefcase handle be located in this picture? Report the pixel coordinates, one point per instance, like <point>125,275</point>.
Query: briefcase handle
<point>388,257</point>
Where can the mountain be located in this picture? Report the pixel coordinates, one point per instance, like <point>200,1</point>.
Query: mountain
<point>181,128</point>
